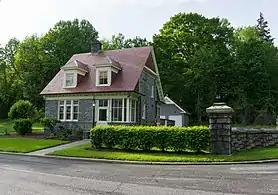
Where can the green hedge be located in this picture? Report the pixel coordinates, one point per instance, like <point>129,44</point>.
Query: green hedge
<point>148,137</point>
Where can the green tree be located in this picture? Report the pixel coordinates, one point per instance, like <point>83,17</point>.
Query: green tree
<point>120,42</point>
<point>263,28</point>
<point>194,58</point>
<point>67,38</point>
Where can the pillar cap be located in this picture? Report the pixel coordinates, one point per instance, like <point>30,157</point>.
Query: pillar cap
<point>219,108</point>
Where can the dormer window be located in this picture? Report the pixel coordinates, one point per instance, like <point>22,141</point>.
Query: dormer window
<point>71,72</point>
<point>103,77</point>
<point>69,79</point>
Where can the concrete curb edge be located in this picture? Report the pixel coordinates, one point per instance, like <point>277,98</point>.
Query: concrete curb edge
<point>138,162</point>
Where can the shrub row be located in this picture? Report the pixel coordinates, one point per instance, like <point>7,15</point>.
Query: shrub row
<point>148,137</point>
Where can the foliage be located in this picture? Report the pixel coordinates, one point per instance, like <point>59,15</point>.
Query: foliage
<point>146,137</point>
<point>22,110</point>
<point>71,134</point>
<point>23,126</point>
<point>120,42</point>
<point>263,29</point>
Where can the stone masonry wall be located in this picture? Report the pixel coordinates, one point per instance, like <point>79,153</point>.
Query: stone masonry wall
<point>242,139</point>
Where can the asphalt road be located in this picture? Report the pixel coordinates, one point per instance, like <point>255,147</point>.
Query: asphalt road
<point>20,175</point>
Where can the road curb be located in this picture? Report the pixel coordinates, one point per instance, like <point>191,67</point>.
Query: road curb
<point>137,162</point>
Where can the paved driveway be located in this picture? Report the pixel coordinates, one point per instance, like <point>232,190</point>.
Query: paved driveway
<point>22,175</point>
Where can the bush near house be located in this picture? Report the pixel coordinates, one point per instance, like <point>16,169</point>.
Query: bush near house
<point>148,137</point>
<point>22,109</point>
<point>23,126</point>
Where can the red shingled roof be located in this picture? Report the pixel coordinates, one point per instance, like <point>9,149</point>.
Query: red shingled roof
<point>131,61</point>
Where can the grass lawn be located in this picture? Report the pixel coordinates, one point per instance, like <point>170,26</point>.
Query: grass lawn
<point>86,152</point>
<point>8,124</point>
<point>24,145</point>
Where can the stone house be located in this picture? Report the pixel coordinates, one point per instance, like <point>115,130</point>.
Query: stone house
<point>172,111</point>
<point>111,87</point>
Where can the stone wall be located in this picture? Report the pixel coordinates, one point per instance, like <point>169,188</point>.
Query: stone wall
<point>145,87</point>
<point>242,139</point>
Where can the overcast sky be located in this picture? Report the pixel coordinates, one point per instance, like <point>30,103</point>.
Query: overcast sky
<point>19,18</point>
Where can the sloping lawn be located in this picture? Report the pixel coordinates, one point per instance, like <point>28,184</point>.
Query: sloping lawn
<point>24,145</point>
<point>86,152</point>
<point>8,124</point>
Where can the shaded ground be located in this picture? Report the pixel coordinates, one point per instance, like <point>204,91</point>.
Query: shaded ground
<point>39,176</point>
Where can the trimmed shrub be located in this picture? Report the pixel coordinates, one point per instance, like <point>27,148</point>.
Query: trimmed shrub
<point>23,126</point>
<point>147,137</point>
<point>22,109</point>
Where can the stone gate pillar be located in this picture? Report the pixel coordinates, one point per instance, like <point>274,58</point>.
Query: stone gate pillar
<point>220,128</point>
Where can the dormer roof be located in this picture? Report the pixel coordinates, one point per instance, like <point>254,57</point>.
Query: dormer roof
<point>75,64</point>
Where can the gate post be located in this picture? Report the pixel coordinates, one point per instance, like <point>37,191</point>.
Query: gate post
<point>220,128</point>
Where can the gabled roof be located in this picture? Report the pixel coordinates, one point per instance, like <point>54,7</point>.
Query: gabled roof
<point>76,64</point>
<point>131,62</point>
<point>169,101</point>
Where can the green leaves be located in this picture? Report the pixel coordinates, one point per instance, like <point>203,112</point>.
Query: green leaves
<point>149,137</point>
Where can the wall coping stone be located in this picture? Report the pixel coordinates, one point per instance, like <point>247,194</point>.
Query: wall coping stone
<point>253,130</point>
<point>219,108</point>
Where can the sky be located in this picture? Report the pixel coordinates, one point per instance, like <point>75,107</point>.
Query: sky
<point>21,18</point>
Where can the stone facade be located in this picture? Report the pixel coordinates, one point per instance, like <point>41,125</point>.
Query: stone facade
<point>242,139</point>
<point>147,82</point>
<point>51,109</point>
<point>220,128</point>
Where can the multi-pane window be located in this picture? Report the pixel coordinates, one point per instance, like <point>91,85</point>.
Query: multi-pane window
<point>117,110</point>
<point>68,110</point>
<point>103,110</point>
<point>69,80</point>
<point>133,111</point>
<point>103,77</point>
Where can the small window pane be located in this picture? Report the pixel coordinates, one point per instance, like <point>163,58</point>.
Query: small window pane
<point>61,113</point>
<point>103,77</point>
<point>68,102</point>
<point>62,102</point>
<point>75,102</point>
<point>68,113</point>
<point>75,113</point>
<point>103,103</point>
<point>69,79</point>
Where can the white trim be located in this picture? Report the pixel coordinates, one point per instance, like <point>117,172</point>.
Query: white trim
<point>144,111</point>
<point>128,110</point>
<point>109,75</point>
<point>158,81</point>
<point>81,97</point>
<point>150,72</point>
<point>74,79</point>
<point>65,111</point>
<point>152,93</point>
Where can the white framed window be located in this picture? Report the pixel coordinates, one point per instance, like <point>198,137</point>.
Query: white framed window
<point>103,110</point>
<point>70,79</point>
<point>144,111</point>
<point>152,93</point>
<point>103,77</point>
<point>133,111</point>
<point>117,110</point>
<point>68,110</point>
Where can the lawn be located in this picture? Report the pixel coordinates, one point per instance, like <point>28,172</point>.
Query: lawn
<point>8,124</point>
<point>86,152</point>
<point>24,145</point>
